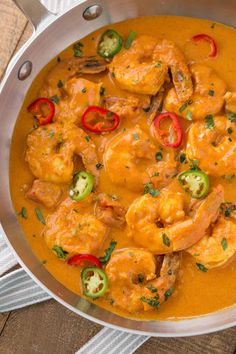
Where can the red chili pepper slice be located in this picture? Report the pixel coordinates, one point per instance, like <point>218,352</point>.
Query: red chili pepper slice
<point>79,258</point>
<point>166,135</point>
<point>109,122</point>
<point>36,107</point>
<point>210,40</point>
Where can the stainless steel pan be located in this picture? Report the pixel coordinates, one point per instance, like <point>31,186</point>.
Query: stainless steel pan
<point>52,34</point>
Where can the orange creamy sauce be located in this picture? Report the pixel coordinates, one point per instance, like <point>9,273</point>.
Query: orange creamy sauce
<point>196,293</point>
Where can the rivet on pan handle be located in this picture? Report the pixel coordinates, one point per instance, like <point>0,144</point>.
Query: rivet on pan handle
<point>35,12</point>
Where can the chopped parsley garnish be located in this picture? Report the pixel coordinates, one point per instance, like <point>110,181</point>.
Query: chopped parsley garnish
<point>58,59</point>
<point>136,136</point>
<point>102,91</point>
<point>189,115</point>
<point>165,240</point>
<point>158,64</point>
<point>211,93</point>
<point>113,74</point>
<point>51,134</point>
<point>194,165</point>
<point>131,37</point>
<point>60,84</point>
<point>152,301</point>
<point>148,189</point>
<point>146,109</point>
<point>44,261</point>
<point>228,208</point>
<point>151,288</point>
<point>140,278</point>
<point>59,252</point>
<point>230,130</point>
<point>40,216</point>
<point>183,107</point>
<point>168,293</point>
<point>202,267</point>
<point>23,213</point>
<point>84,90</point>
<point>55,99</point>
<point>87,138</point>
<point>196,254</point>
<point>183,158</point>
<point>209,121</point>
<point>77,49</point>
<point>230,178</point>
<point>159,156</point>
<point>231,116</point>
<point>105,259</point>
<point>99,166</point>
<point>224,243</point>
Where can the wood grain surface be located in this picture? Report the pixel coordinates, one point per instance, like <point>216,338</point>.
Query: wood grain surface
<point>49,328</point>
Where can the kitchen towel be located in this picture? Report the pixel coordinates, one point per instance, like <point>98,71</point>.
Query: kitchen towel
<point>17,289</point>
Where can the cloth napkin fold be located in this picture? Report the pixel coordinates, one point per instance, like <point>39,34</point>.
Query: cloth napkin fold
<point>18,290</point>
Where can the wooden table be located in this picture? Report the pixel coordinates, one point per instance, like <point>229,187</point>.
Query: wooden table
<point>49,328</point>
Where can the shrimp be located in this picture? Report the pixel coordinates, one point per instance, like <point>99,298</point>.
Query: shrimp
<point>51,149</point>
<point>144,67</point>
<point>127,107</point>
<point>207,98</point>
<point>134,284</point>
<point>230,101</point>
<point>73,231</point>
<point>220,143</point>
<point>149,220</point>
<point>217,246</point>
<point>130,159</point>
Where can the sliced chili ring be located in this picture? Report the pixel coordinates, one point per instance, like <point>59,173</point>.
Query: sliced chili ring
<point>36,107</point>
<point>94,282</point>
<point>82,186</point>
<point>80,258</point>
<point>109,122</point>
<point>109,44</point>
<point>210,40</point>
<point>165,135</point>
<point>194,182</point>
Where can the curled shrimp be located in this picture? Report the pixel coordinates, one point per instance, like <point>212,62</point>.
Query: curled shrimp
<point>217,246</point>
<point>130,159</point>
<point>207,98</point>
<point>134,284</point>
<point>74,232</point>
<point>219,140</point>
<point>144,67</point>
<point>51,149</point>
<point>161,225</point>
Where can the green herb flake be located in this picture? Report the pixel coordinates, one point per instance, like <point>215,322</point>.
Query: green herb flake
<point>60,84</point>
<point>202,267</point>
<point>183,158</point>
<point>44,261</point>
<point>40,216</point>
<point>230,178</point>
<point>158,64</point>
<point>209,121</point>
<point>146,109</point>
<point>152,301</point>
<point>58,59</point>
<point>87,138</point>
<point>59,252</point>
<point>230,130</point>
<point>159,156</point>
<point>211,93</point>
<point>151,288</point>
<point>131,37</point>
<point>77,49</point>
<point>168,293</point>
<point>99,166</point>
<point>51,134</point>
<point>183,107</point>
<point>140,278</point>
<point>148,189</point>
<point>102,91</point>
<point>189,115</point>
<point>224,243</point>
<point>194,165</point>
<point>136,136</point>
<point>105,259</point>
<point>84,90</point>
<point>55,99</point>
<point>196,254</point>
<point>165,240</point>
<point>23,213</point>
<point>156,174</point>
<point>231,116</point>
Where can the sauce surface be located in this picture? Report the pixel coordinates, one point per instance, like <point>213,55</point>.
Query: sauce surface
<point>196,292</point>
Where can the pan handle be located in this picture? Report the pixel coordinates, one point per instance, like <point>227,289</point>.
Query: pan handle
<point>35,12</point>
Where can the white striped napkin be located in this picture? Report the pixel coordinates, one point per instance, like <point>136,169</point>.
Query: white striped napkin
<point>18,290</point>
